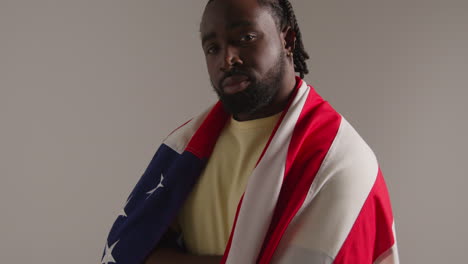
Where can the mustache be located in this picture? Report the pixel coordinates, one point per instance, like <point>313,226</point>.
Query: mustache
<point>233,72</point>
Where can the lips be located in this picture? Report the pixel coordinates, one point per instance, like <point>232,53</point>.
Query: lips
<point>235,83</point>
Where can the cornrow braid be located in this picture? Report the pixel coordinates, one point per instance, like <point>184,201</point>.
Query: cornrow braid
<point>284,12</point>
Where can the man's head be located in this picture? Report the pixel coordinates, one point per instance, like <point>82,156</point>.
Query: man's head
<point>252,49</point>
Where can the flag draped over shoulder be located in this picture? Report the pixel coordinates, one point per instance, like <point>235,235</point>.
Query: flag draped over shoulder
<point>316,195</point>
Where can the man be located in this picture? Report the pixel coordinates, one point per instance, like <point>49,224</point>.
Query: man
<point>271,174</point>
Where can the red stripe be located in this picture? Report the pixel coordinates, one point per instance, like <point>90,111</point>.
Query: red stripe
<point>204,139</point>
<point>179,127</point>
<point>313,135</point>
<point>372,233</point>
<point>228,246</point>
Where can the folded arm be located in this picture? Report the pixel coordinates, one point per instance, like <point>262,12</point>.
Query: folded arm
<point>168,252</point>
<point>170,255</point>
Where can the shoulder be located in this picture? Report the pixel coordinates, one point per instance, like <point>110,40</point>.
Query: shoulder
<point>334,200</point>
<point>350,164</point>
<point>180,137</point>
<point>328,147</point>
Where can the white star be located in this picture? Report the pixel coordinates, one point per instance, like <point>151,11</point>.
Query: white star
<point>122,211</point>
<point>108,254</point>
<point>160,185</point>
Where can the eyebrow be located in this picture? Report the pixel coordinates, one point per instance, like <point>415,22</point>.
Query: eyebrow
<point>231,26</point>
<point>207,37</point>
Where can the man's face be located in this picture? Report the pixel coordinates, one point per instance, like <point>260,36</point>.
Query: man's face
<point>244,54</point>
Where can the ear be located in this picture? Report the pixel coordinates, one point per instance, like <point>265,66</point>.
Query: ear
<point>289,39</point>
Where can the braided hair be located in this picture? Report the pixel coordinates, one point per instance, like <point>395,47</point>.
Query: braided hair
<point>285,16</point>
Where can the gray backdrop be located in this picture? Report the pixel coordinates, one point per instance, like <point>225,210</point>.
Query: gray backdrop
<point>88,89</point>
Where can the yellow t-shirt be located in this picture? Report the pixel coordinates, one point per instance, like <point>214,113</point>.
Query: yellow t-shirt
<point>208,214</point>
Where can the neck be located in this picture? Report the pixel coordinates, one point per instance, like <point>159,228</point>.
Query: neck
<point>278,104</point>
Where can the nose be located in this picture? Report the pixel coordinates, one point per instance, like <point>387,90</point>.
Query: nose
<point>231,58</point>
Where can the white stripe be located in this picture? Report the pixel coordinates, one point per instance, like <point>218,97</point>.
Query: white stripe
<point>296,254</point>
<point>335,198</point>
<point>263,189</point>
<point>180,138</point>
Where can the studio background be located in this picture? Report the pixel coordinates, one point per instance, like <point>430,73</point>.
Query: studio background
<point>89,89</point>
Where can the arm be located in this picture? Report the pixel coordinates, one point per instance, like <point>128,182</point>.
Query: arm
<point>170,255</point>
<point>168,252</point>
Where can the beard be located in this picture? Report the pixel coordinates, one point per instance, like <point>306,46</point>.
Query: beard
<point>258,95</point>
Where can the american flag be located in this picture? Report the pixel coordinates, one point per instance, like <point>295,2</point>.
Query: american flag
<point>317,194</point>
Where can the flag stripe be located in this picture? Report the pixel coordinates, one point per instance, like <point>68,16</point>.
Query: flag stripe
<point>263,188</point>
<point>313,135</point>
<point>335,198</point>
<point>228,246</point>
<point>180,137</point>
<point>390,256</point>
<point>299,84</point>
<point>374,221</point>
<point>204,139</point>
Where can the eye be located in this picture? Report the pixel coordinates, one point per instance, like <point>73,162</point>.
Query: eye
<point>248,37</point>
<point>212,49</point>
